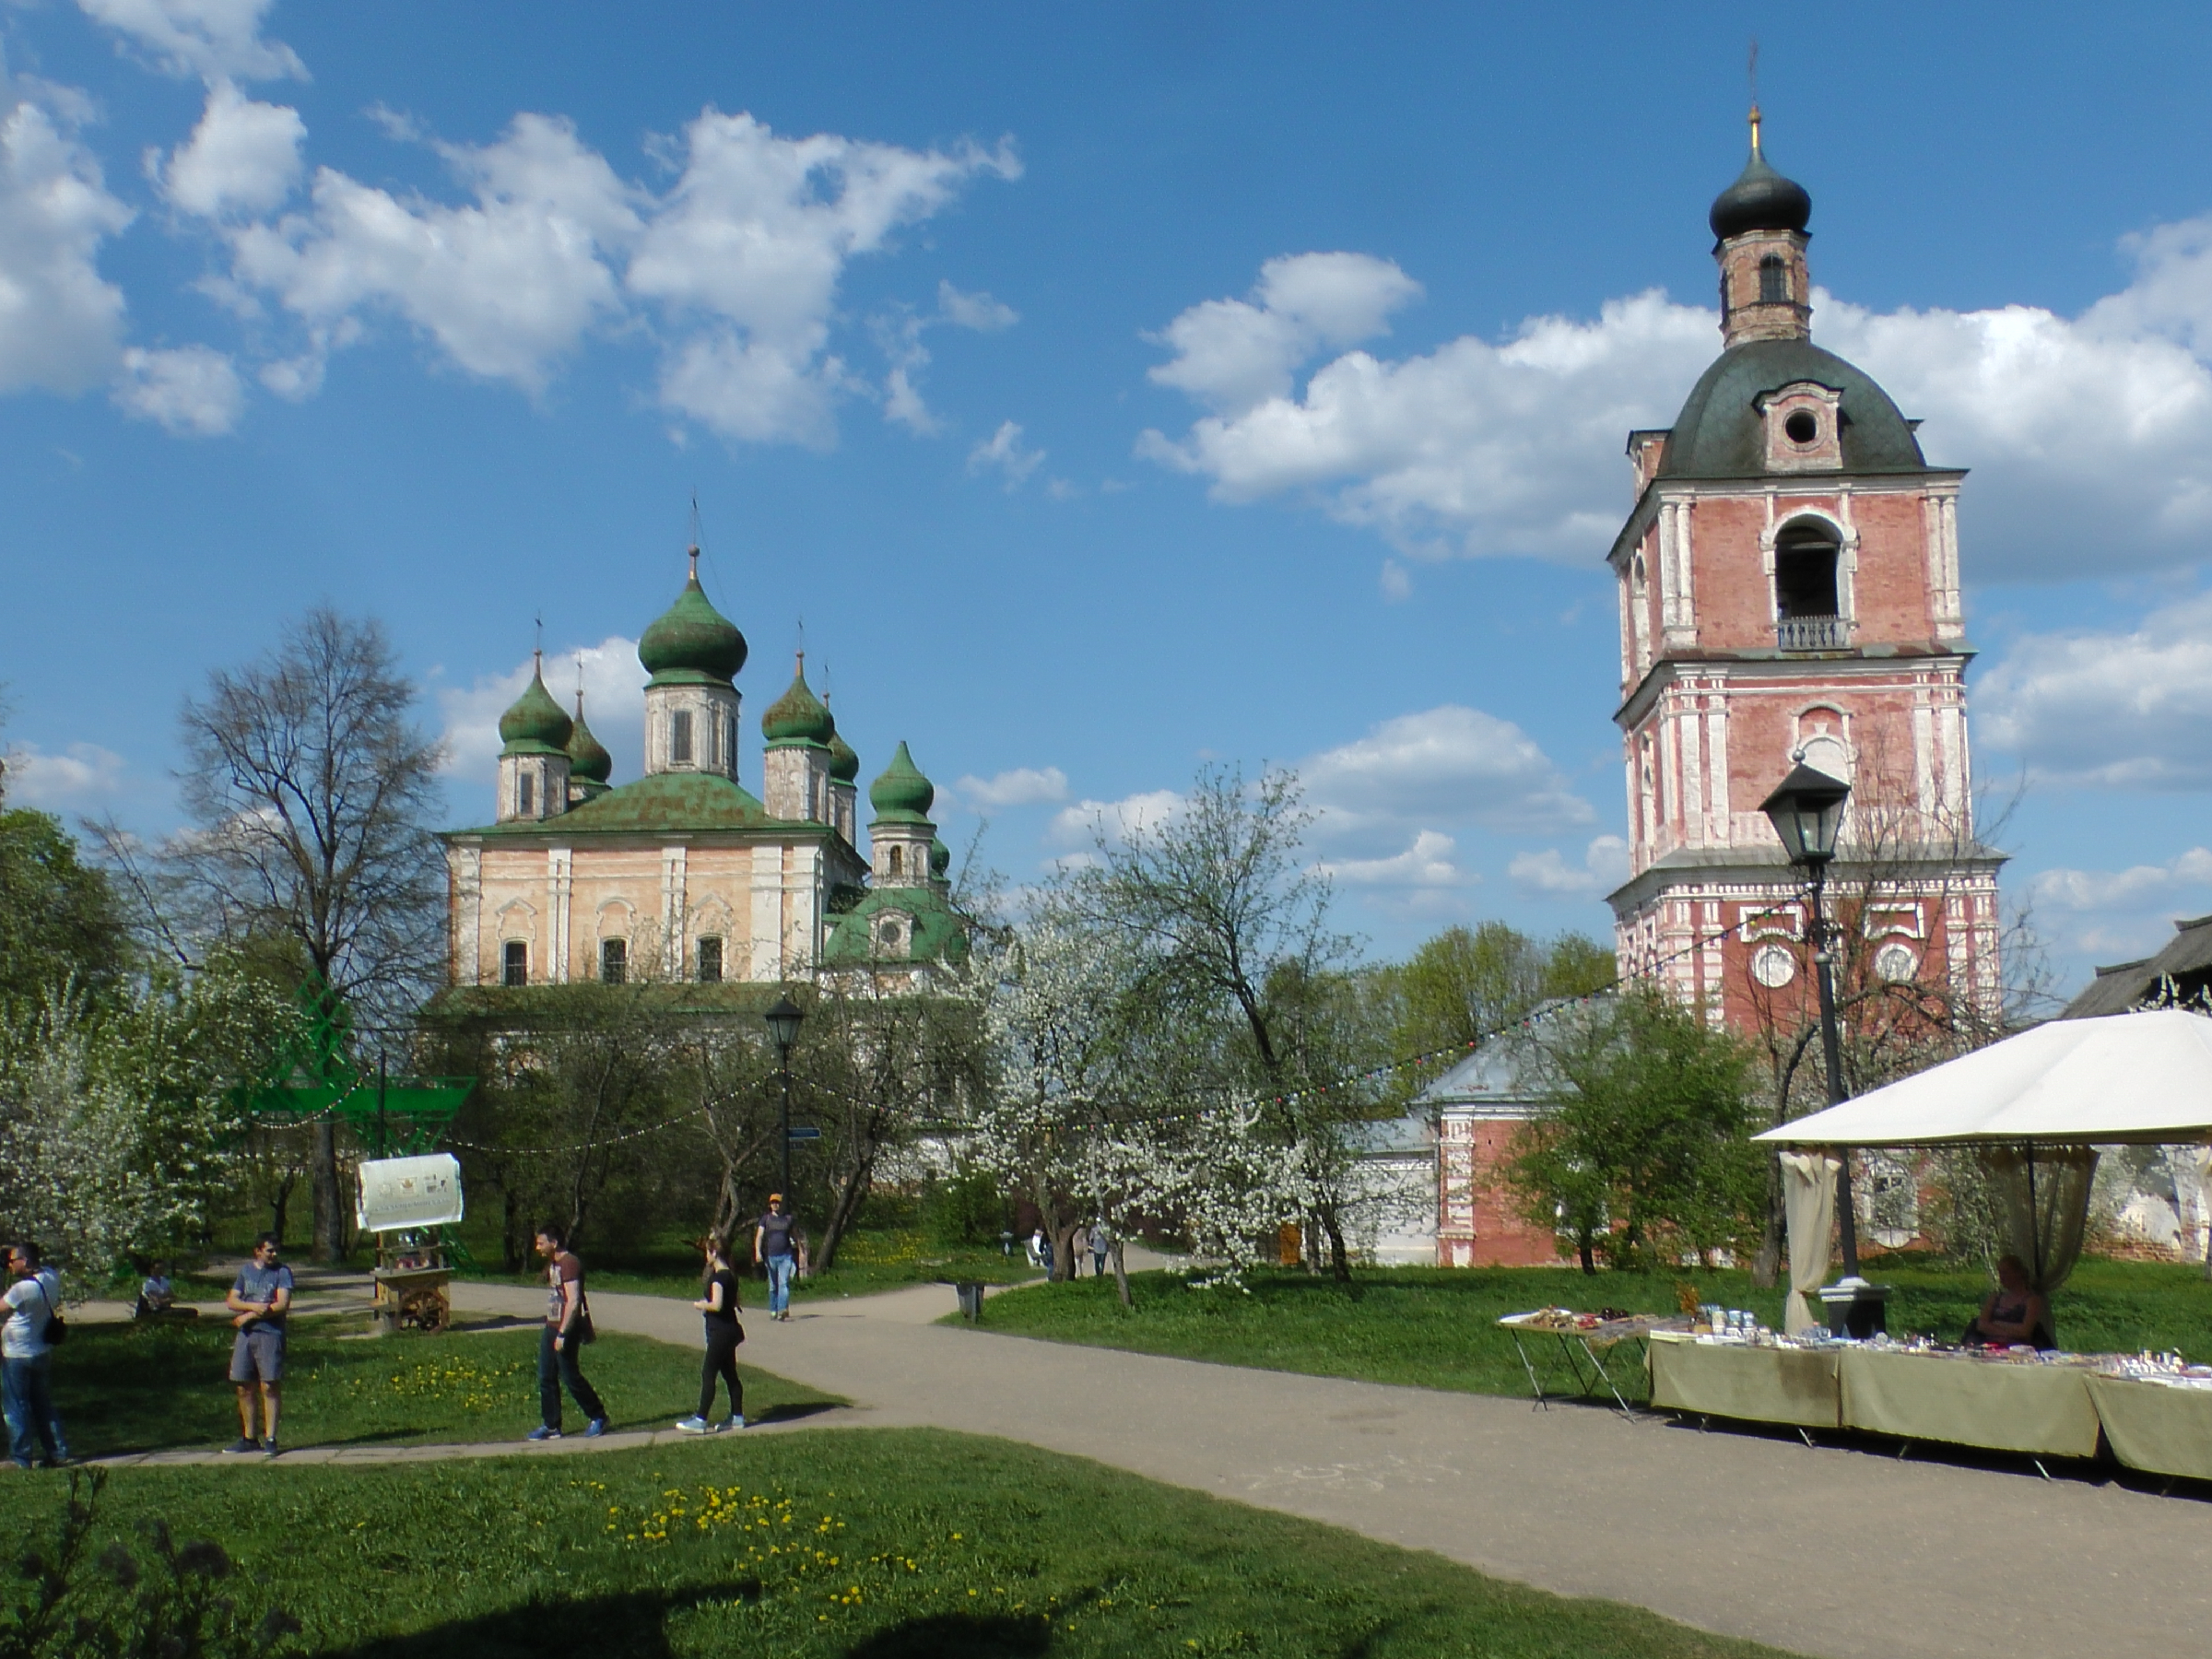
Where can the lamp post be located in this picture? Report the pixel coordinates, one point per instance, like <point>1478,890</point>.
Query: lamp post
<point>1806,811</point>
<point>783,1026</point>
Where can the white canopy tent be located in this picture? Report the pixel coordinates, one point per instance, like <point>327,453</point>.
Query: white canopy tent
<point>2038,1103</point>
<point>2127,1078</point>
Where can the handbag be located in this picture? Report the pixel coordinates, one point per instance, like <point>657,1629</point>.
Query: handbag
<point>584,1331</point>
<point>57,1329</point>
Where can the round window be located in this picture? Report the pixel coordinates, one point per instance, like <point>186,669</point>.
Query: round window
<point>1896,962</point>
<point>1773,966</point>
<point>1803,427</point>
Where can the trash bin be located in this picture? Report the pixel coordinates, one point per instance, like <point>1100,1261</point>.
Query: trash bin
<point>1855,1308</point>
<point>971,1301</point>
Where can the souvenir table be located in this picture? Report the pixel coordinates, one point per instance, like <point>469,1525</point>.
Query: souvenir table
<point>2161,1425</point>
<point>1798,1386</point>
<point>1582,1341</point>
<point>2039,1405</point>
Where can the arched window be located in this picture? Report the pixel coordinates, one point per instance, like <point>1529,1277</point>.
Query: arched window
<point>680,737</point>
<point>1773,280</point>
<point>514,963</point>
<point>614,961</point>
<point>710,961</point>
<point>895,862</point>
<point>1804,570</point>
<point>525,795</point>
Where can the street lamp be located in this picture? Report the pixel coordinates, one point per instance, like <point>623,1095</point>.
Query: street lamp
<point>783,1026</point>
<point>1806,811</point>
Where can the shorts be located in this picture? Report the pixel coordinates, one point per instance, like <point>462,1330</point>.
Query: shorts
<point>257,1355</point>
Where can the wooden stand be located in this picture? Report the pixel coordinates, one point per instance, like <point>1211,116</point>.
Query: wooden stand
<point>411,1274</point>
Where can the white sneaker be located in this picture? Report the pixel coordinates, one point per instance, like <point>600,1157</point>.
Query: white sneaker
<point>694,1424</point>
<point>735,1422</point>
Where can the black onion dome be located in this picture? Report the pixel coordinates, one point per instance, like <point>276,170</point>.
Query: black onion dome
<point>1761,199</point>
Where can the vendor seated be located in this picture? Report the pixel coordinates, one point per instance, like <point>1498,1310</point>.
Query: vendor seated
<point>2012,1314</point>
<point>157,1297</point>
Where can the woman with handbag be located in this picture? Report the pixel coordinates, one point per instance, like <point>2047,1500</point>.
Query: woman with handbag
<point>34,1326</point>
<point>719,1304</point>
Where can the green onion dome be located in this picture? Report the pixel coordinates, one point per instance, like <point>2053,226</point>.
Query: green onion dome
<point>1761,199</point>
<point>844,762</point>
<point>798,715</point>
<point>903,794</point>
<point>535,723</point>
<point>691,640</point>
<point>588,759</point>
<point>940,859</point>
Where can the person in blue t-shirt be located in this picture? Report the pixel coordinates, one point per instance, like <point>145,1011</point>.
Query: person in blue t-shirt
<point>777,1241</point>
<point>258,1302</point>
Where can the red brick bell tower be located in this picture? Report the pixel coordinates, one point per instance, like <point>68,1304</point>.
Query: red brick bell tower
<point>1789,591</point>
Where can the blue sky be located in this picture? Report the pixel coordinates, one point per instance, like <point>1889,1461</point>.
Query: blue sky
<point>1107,391</point>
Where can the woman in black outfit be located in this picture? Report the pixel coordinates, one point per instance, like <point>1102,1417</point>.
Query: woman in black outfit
<point>720,1305</point>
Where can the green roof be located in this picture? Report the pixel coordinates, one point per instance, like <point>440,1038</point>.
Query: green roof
<point>535,723</point>
<point>902,796</point>
<point>692,641</point>
<point>1721,434</point>
<point>844,761</point>
<point>937,936</point>
<point>588,760</point>
<point>797,716</point>
<point>663,802</point>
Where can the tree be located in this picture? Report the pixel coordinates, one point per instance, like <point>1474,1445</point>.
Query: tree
<point>1230,929</point>
<point>1467,985</point>
<point>1643,1144</point>
<point>313,795</point>
<point>60,924</point>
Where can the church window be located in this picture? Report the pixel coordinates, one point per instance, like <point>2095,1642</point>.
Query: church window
<point>680,737</point>
<point>729,748</point>
<point>1774,281</point>
<point>514,963</point>
<point>1803,426</point>
<point>525,794</point>
<point>710,961</point>
<point>614,961</point>
<point>1804,570</point>
<point>895,862</point>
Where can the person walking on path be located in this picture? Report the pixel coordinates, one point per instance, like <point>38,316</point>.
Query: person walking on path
<point>260,1298</point>
<point>1101,1243</point>
<point>34,1299</point>
<point>775,1249</point>
<point>568,1328</point>
<point>720,1305</point>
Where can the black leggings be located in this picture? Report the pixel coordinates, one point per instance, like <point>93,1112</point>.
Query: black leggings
<point>720,1367</point>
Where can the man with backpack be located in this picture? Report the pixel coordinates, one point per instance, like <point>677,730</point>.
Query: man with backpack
<point>568,1328</point>
<point>34,1326</point>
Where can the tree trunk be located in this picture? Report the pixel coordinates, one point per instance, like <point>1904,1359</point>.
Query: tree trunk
<point>1121,1274</point>
<point>1340,1261</point>
<point>510,1228</point>
<point>1766,1268</point>
<point>844,1204</point>
<point>329,1242</point>
<point>1063,1249</point>
<point>1589,1256</point>
<point>280,1203</point>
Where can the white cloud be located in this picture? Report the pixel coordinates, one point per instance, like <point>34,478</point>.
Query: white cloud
<point>1449,765</point>
<point>80,777</point>
<point>193,390</point>
<point>1004,452</point>
<point>61,321</point>
<point>1395,581</point>
<point>505,286</point>
<point>242,157</point>
<point>2141,887</point>
<point>978,311</point>
<point>1430,862</point>
<point>614,707</point>
<point>1547,873</point>
<point>900,337</point>
<point>1083,824</point>
<point>1023,786</point>
<point>2090,436</point>
<point>212,38</point>
<point>2119,915</point>
<point>2108,709</point>
<point>1232,355</point>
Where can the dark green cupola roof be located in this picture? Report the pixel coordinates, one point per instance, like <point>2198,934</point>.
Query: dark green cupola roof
<point>940,859</point>
<point>534,725</point>
<point>845,761</point>
<point>902,796</point>
<point>692,641</point>
<point>588,760</point>
<point>1761,199</point>
<point>799,716</point>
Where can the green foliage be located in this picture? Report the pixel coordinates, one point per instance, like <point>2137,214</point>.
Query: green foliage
<point>1643,1144</point>
<point>859,1545</point>
<point>1466,984</point>
<point>185,1603</point>
<point>967,1210</point>
<point>59,921</point>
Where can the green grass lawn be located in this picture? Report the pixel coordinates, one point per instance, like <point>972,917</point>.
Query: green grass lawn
<point>1436,1328</point>
<point>879,1259</point>
<point>865,1544</point>
<point>148,1387</point>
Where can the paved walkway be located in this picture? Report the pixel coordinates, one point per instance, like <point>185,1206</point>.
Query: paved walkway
<point>1827,1552</point>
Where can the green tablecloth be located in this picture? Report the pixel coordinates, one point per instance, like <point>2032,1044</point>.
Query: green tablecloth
<point>2151,1426</point>
<point>2040,1409</point>
<point>1765,1385</point>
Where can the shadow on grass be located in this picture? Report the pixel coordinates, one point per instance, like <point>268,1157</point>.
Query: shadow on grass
<point>634,1625</point>
<point>793,1411</point>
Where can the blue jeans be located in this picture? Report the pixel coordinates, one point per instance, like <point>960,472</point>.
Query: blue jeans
<point>557,1367</point>
<point>27,1391</point>
<point>780,1269</point>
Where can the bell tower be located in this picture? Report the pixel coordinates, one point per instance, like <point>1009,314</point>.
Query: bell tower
<point>1789,592</point>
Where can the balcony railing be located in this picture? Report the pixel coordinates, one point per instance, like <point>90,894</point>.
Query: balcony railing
<point>1812,633</point>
